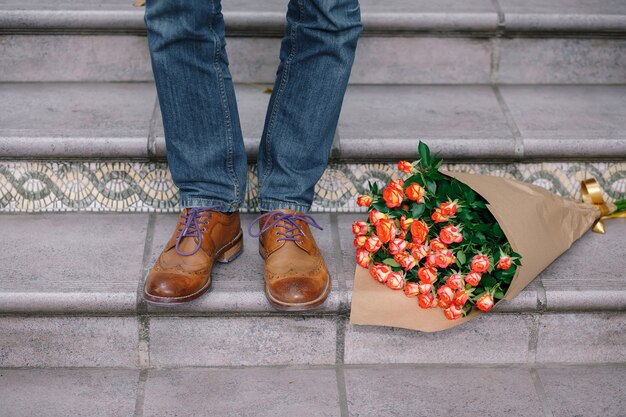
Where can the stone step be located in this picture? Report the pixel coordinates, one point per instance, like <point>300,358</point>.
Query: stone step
<point>328,391</point>
<point>70,297</point>
<point>416,42</point>
<point>378,123</point>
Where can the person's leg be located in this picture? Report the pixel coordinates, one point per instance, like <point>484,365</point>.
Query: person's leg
<point>205,149</point>
<point>315,61</point>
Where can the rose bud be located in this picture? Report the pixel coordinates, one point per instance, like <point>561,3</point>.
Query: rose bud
<point>436,244</point>
<point>393,197</point>
<point>397,245</point>
<point>443,303</point>
<point>461,297</point>
<point>419,231</point>
<point>427,275</point>
<point>419,252</point>
<point>455,281</point>
<point>448,208</point>
<point>480,263</point>
<point>363,257</point>
<point>380,272</point>
<point>438,216</point>
<point>376,216</point>
<point>360,240</point>
<point>411,289</point>
<point>405,167</point>
<point>372,244</point>
<point>405,223</point>
<point>452,313</point>
<point>485,302</point>
<point>415,192</point>
<point>364,201</point>
<point>450,234</point>
<point>359,228</point>
<point>444,258</point>
<point>504,263</point>
<point>425,300</point>
<point>446,294</point>
<point>395,281</point>
<point>400,234</point>
<point>425,288</point>
<point>405,260</point>
<point>473,278</point>
<point>386,230</point>
<point>397,184</point>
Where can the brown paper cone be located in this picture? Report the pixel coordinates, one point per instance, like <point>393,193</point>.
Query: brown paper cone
<point>539,225</point>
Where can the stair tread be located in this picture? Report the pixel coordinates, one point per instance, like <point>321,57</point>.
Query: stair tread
<point>464,122</point>
<point>56,271</point>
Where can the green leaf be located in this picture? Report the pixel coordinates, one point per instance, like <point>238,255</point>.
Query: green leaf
<point>417,210</point>
<point>487,281</point>
<point>498,295</point>
<point>460,256</point>
<point>424,153</point>
<point>391,262</point>
<point>432,186</point>
<point>381,206</point>
<point>497,230</point>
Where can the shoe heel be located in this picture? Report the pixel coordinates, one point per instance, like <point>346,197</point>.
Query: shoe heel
<point>232,252</point>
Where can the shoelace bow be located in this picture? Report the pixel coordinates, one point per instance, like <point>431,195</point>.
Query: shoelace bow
<point>193,227</point>
<point>292,231</point>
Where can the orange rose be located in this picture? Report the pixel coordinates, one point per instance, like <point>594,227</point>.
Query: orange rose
<point>425,288</point>
<point>395,281</point>
<point>485,302</point>
<point>436,244</point>
<point>411,289</point>
<point>461,297</point>
<point>363,257</point>
<point>393,197</point>
<point>397,245</point>
<point>431,259</point>
<point>405,167</point>
<point>438,216</point>
<point>359,228</point>
<point>455,281</point>
<point>426,300</point>
<point>400,234</point>
<point>427,275</point>
<point>448,208</point>
<point>419,252</point>
<point>452,313</point>
<point>450,234</point>
<point>443,303</point>
<point>445,294</point>
<point>419,231</point>
<point>380,272</point>
<point>444,258</point>
<point>360,240</point>
<point>386,230</point>
<point>473,278</point>
<point>405,260</point>
<point>376,216</point>
<point>405,223</point>
<point>480,263</point>
<point>372,244</point>
<point>397,184</point>
<point>364,201</point>
<point>415,192</point>
<point>504,263</point>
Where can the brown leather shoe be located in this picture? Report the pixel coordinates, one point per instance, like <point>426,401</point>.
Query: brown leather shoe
<point>296,277</point>
<point>183,270</point>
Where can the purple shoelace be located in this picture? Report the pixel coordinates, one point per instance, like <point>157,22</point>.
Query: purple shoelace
<point>292,231</point>
<point>193,227</point>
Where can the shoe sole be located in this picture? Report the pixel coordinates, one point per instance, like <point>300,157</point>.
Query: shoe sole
<point>226,254</point>
<point>280,305</point>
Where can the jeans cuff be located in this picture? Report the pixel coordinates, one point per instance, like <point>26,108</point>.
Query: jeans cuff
<point>269,205</point>
<point>208,202</point>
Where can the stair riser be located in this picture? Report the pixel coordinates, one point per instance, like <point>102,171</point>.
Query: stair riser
<point>291,340</point>
<point>429,59</point>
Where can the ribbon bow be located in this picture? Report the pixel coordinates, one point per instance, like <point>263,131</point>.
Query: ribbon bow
<point>592,194</point>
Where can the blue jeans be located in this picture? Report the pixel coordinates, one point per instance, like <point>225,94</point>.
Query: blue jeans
<point>205,149</point>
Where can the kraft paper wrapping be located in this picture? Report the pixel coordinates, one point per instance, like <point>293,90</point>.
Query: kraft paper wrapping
<point>539,225</point>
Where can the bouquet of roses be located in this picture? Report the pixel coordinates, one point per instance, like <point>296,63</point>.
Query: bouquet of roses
<point>433,237</point>
<point>454,243</point>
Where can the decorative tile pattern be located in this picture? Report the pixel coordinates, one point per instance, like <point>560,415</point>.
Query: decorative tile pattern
<point>33,186</point>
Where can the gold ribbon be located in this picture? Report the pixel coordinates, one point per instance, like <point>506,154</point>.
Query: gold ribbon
<point>592,194</point>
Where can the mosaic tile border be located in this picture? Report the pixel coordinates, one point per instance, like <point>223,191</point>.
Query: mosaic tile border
<point>38,186</point>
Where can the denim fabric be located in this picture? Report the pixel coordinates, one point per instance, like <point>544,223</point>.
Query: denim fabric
<point>205,150</point>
